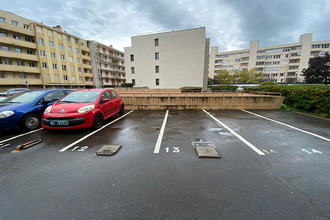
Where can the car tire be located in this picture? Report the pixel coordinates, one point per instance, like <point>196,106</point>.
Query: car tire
<point>122,110</point>
<point>98,121</point>
<point>30,122</point>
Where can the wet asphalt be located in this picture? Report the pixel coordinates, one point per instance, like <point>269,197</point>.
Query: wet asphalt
<point>291,181</point>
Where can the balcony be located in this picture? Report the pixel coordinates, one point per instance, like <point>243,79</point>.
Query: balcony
<point>19,56</point>
<point>16,29</point>
<point>18,43</point>
<point>16,81</point>
<point>87,66</point>
<point>19,69</point>
<point>83,48</point>
<point>84,57</point>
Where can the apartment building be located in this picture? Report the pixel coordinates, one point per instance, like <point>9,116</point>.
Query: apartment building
<point>168,60</point>
<point>279,63</point>
<point>41,55</point>
<point>108,65</point>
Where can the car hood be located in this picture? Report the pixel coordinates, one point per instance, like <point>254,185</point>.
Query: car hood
<point>62,108</point>
<point>11,106</point>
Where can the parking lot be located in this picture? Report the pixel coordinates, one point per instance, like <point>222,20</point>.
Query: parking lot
<point>274,165</point>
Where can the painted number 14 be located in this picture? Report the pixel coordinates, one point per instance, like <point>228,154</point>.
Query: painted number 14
<point>174,149</point>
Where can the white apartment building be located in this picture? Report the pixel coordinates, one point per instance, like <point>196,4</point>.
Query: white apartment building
<point>168,60</point>
<point>279,63</point>
<point>108,66</point>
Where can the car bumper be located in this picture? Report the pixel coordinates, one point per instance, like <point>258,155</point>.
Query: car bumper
<point>54,122</point>
<point>8,124</point>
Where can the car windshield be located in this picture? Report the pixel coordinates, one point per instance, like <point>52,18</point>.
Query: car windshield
<point>81,97</point>
<point>22,98</point>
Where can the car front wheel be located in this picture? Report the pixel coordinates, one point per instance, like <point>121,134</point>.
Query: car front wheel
<point>98,121</point>
<point>30,122</point>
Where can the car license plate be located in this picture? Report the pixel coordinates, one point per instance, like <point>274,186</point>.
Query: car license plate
<point>59,123</point>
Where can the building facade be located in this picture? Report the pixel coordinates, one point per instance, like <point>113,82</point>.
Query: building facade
<point>279,63</point>
<point>42,56</point>
<point>108,65</point>
<point>168,60</point>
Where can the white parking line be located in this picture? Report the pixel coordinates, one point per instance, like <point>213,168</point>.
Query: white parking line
<point>160,136</point>
<point>21,135</point>
<point>90,134</point>
<point>281,123</point>
<point>237,135</point>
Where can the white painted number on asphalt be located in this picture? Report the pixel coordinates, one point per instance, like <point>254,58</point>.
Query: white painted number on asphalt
<point>174,149</point>
<point>83,148</point>
<point>314,151</point>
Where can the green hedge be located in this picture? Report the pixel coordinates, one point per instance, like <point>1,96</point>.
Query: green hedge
<point>127,85</point>
<point>224,87</point>
<point>191,89</point>
<point>308,98</point>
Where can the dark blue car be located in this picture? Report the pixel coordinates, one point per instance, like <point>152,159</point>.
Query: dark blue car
<point>25,110</point>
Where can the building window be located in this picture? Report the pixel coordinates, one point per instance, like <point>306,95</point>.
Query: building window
<point>32,64</point>
<point>15,36</point>
<point>276,62</point>
<point>76,41</point>
<point>3,20</point>
<point>29,52</point>
<point>133,81</point>
<point>156,69</point>
<point>68,38</point>
<point>275,69</point>
<point>2,75</point>
<point>69,49</point>
<point>77,50</point>
<point>132,57</point>
<point>20,63</point>
<point>7,61</point>
<point>268,63</point>
<point>41,41</point>
<point>157,56</point>
<point>51,44</point>
<point>44,65</point>
<point>26,26</point>
<point>61,46</point>
<point>3,34</point>
<point>5,48</point>
<point>53,55</point>
<point>237,60</point>
<point>22,75</point>
<point>18,50</point>
<point>156,42</point>
<point>42,53</point>
<point>80,78</point>
<point>72,69</point>
<point>47,77</point>
<point>79,69</point>
<point>277,56</point>
<point>64,67</point>
<point>71,59</point>
<point>73,78</point>
<point>65,77</point>
<point>62,57</point>
<point>54,66</point>
<point>269,57</point>
<point>132,70</point>
<point>78,60</point>
<point>260,57</point>
<point>157,82</point>
<point>15,23</point>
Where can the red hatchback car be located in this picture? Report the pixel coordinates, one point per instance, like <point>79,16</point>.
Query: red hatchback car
<point>83,109</point>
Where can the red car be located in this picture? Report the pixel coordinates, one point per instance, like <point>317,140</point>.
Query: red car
<point>83,109</point>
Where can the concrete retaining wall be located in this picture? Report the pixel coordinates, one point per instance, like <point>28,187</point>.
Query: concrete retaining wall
<point>200,101</point>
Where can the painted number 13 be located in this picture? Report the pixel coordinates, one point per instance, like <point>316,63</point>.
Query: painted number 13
<point>174,149</point>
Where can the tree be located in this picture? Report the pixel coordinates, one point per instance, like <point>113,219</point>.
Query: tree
<point>318,70</point>
<point>224,76</point>
<point>249,76</point>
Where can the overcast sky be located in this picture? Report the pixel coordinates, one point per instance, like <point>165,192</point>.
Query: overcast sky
<point>231,24</point>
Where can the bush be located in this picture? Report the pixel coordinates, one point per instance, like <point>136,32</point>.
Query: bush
<point>268,83</point>
<point>308,98</point>
<point>127,85</point>
<point>224,87</point>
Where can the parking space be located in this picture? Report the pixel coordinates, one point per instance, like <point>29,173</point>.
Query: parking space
<point>267,169</point>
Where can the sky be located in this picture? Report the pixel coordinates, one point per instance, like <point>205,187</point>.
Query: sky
<point>230,24</point>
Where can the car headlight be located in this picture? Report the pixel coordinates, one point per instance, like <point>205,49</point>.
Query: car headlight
<point>6,114</point>
<point>47,110</point>
<point>86,108</point>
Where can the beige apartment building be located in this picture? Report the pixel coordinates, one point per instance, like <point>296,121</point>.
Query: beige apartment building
<point>41,55</point>
<point>168,60</point>
<point>279,63</point>
<point>108,65</point>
